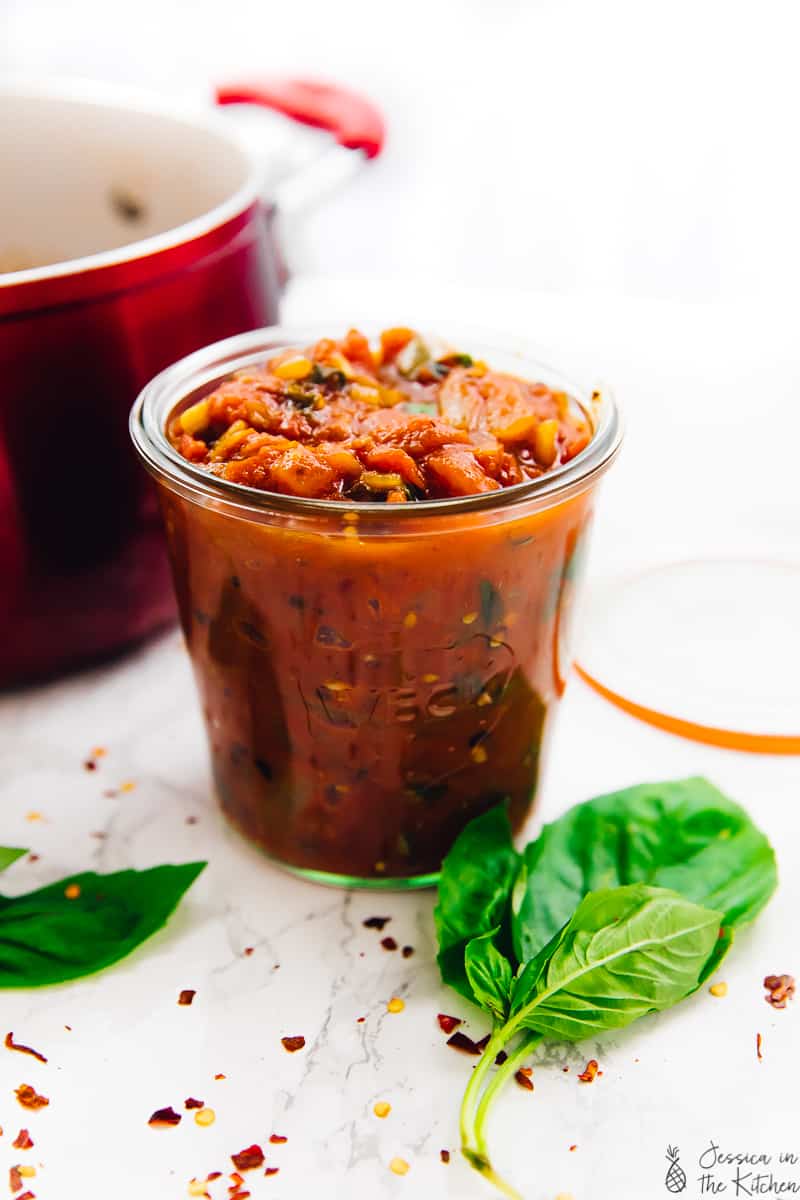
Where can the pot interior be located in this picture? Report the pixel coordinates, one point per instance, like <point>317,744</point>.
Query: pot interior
<point>87,177</point>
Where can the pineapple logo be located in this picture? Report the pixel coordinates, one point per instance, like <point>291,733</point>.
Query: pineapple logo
<point>675,1180</point>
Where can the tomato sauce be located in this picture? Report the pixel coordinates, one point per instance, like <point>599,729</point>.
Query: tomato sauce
<point>371,684</point>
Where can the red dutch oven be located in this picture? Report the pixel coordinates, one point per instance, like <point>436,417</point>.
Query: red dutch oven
<point>129,236</point>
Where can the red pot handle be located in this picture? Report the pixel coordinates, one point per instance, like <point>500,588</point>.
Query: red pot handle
<point>354,121</point>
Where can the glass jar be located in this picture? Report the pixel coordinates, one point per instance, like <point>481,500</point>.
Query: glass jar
<point>372,676</point>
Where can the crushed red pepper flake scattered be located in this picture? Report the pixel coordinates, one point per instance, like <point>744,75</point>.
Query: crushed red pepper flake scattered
<point>573,1147</point>
<point>12,1045</point>
<point>360,1020</point>
<point>389,943</point>
<point>292,1044</point>
<point>219,1075</point>
<point>190,1102</point>
<point>407,951</point>
<point>523,1078</point>
<point>448,1024</point>
<point>187,996</point>
<point>376,922</point>
<point>27,1196</point>
<point>248,950</point>
<point>271,1170</point>
<point>90,765</point>
<point>237,1195</point>
<point>23,1141</point>
<point>14,1179</point>
<point>30,1098</point>
<point>589,1072</point>
<point>248,1159</point>
<point>212,1175</point>
<point>277,1139</point>
<point>460,1041</point>
<point>483,1042</point>
<point>759,1044</point>
<point>34,857</point>
<point>780,988</point>
<point>163,1118</point>
<point>444,1155</point>
<point>72,891</point>
<point>501,1058</point>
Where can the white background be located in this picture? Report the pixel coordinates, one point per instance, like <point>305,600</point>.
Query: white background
<point>612,148</point>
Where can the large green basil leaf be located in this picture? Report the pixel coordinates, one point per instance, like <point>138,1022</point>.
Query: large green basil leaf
<point>46,937</point>
<point>9,855</point>
<point>685,835</point>
<point>626,951</point>
<point>474,892</point>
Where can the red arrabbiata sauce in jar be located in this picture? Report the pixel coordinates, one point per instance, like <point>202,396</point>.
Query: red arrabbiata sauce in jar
<point>375,574</point>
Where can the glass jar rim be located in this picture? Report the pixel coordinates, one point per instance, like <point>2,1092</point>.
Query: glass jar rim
<point>206,368</point>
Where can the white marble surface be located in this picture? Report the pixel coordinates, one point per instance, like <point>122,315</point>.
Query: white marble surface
<point>684,1078</point>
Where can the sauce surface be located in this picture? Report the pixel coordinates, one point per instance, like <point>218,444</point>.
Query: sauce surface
<point>402,421</point>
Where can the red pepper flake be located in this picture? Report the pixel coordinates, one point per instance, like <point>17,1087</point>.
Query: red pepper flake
<point>236,1179</point>
<point>376,922</point>
<point>573,1147</point>
<point>212,1175</point>
<point>444,1155</point>
<point>90,765</point>
<point>292,1044</point>
<point>12,1045</point>
<point>23,1141</point>
<point>237,1195</point>
<point>483,1043</point>
<point>190,1102</point>
<point>780,988</point>
<point>248,1159</point>
<point>590,1071</point>
<point>34,857</point>
<point>27,1196</point>
<point>162,1118</point>
<point>14,1179</point>
<point>759,1044</point>
<point>191,820</point>
<point>248,950</point>
<point>523,1078</point>
<point>407,951</point>
<point>277,1139</point>
<point>565,1069</point>
<point>271,1170</point>
<point>389,943</point>
<point>448,1024</point>
<point>30,1098</point>
<point>460,1041</point>
<point>220,1076</point>
<point>360,1020</point>
<point>187,996</point>
<point>501,1058</point>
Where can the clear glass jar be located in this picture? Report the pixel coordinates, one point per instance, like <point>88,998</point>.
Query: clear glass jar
<point>372,676</point>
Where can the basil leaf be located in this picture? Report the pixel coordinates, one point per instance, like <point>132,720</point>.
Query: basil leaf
<point>474,891</point>
<point>626,952</point>
<point>9,855</point>
<point>489,974</point>
<point>47,938</point>
<point>491,605</point>
<point>685,835</point>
